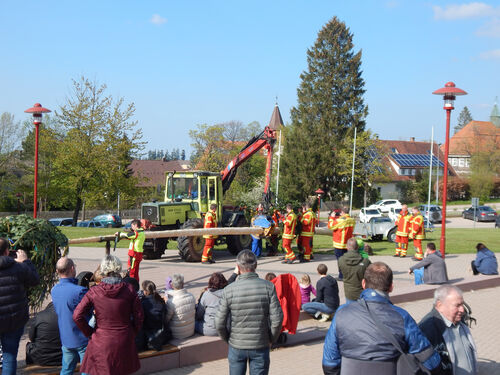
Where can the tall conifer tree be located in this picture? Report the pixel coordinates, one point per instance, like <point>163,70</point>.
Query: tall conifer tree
<point>329,106</point>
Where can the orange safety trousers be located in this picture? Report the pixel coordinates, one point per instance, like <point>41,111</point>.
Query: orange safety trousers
<point>207,250</point>
<point>418,249</point>
<point>134,259</point>
<point>287,245</point>
<point>305,243</point>
<point>401,245</point>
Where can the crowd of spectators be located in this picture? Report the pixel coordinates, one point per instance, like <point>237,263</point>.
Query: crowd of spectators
<point>102,320</point>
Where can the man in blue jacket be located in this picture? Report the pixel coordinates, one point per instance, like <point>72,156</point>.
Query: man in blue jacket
<point>355,343</point>
<point>485,262</point>
<point>66,295</point>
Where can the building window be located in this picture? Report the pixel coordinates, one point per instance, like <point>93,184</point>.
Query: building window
<point>454,162</point>
<point>467,162</point>
<point>461,162</point>
<point>413,172</point>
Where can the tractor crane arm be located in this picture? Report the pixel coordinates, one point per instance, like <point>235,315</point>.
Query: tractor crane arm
<point>267,139</point>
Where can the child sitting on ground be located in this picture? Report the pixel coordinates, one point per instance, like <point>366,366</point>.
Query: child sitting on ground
<point>270,276</point>
<point>306,288</point>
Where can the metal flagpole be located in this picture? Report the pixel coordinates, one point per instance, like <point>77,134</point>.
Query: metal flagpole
<point>352,175</point>
<point>278,173</point>
<point>430,183</point>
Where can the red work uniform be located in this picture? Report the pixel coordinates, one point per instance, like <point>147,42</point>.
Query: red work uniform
<point>210,222</point>
<point>343,229</point>
<point>308,222</point>
<point>403,230</point>
<point>135,250</point>
<point>288,235</point>
<point>417,233</point>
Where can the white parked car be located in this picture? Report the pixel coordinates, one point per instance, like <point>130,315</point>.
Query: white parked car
<point>366,214</point>
<point>394,212</point>
<point>385,205</point>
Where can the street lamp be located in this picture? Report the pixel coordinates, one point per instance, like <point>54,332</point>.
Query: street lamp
<point>37,110</point>
<point>449,92</point>
<point>319,193</point>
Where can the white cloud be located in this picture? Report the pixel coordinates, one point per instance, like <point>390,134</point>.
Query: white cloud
<point>157,19</point>
<point>491,29</point>
<point>493,54</point>
<point>462,11</point>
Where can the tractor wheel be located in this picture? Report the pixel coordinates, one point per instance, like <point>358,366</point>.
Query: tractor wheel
<point>391,236</point>
<point>239,242</point>
<point>157,250</point>
<point>191,248</point>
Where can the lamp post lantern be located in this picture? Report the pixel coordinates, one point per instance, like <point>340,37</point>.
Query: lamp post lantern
<point>37,110</point>
<point>319,193</point>
<point>449,92</point>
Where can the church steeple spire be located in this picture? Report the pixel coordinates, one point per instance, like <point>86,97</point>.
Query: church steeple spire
<point>495,114</point>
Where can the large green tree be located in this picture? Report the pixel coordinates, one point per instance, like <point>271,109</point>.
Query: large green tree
<point>99,141</point>
<point>463,119</point>
<point>329,106</point>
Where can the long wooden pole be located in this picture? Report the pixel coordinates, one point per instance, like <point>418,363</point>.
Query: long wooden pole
<point>193,233</point>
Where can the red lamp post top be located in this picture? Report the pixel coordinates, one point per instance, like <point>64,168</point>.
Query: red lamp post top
<point>449,92</point>
<point>319,191</point>
<point>37,111</point>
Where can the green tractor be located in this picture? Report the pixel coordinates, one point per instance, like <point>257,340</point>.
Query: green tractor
<point>188,197</point>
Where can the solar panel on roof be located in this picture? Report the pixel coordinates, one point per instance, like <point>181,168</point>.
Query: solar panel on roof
<point>415,160</point>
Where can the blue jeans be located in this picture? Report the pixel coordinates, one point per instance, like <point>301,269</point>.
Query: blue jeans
<point>257,246</point>
<point>258,360</point>
<point>419,275</point>
<point>70,358</point>
<point>313,307</point>
<point>10,345</point>
<point>338,254</point>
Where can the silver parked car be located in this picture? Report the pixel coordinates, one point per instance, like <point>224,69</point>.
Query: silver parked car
<point>431,212</point>
<point>482,213</point>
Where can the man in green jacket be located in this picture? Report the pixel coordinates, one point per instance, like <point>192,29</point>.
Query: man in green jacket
<point>353,266</point>
<point>256,318</point>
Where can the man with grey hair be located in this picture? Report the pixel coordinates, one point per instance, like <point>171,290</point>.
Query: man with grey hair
<point>448,334</point>
<point>66,295</point>
<point>256,318</point>
<point>353,267</point>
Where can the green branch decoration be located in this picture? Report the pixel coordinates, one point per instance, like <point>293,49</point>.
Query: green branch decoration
<point>43,243</point>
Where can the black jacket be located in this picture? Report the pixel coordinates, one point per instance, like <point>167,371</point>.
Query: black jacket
<point>14,279</point>
<point>328,292</point>
<point>433,327</point>
<point>44,347</point>
<point>154,333</point>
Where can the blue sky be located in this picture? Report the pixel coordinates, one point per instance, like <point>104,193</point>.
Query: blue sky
<point>185,63</point>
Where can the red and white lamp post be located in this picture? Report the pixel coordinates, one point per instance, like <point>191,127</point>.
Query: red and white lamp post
<point>37,110</point>
<point>319,193</point>
<point>449,92</point>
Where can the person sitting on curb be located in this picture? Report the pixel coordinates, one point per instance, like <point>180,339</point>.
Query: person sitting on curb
<point>208,305</point>
<point>327,299</point>
<point>485,262</point>
<point>432,267</point>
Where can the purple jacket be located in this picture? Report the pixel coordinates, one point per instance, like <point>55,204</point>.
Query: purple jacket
<point>305,293</point>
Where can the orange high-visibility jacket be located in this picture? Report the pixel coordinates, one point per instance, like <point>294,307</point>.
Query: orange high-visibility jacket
<point>308,222</point>
<point>403,224</point>
<point>417,227</point>
<point>343,228</point>
<point>289,226</point>
<point>210,222</point>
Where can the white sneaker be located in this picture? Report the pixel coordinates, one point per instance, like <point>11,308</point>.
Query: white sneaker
<point>325,317</point>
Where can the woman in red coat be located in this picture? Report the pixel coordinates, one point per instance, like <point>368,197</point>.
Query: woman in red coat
<point>119,315</point>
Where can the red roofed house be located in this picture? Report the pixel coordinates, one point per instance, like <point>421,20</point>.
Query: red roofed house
<point>474,137</point>
<point>153,172</point>
<point>404,159</point>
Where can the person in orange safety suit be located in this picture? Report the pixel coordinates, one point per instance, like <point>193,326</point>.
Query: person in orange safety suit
<point>308,222</point>
<point>403,223</point>
<point>209,222</point>
<point>417,233</point>
<point>343,228</point>
<point>289,234</point>
<point>136,247</point>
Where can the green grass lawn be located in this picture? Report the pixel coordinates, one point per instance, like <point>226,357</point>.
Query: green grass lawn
<point>457,240</point>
